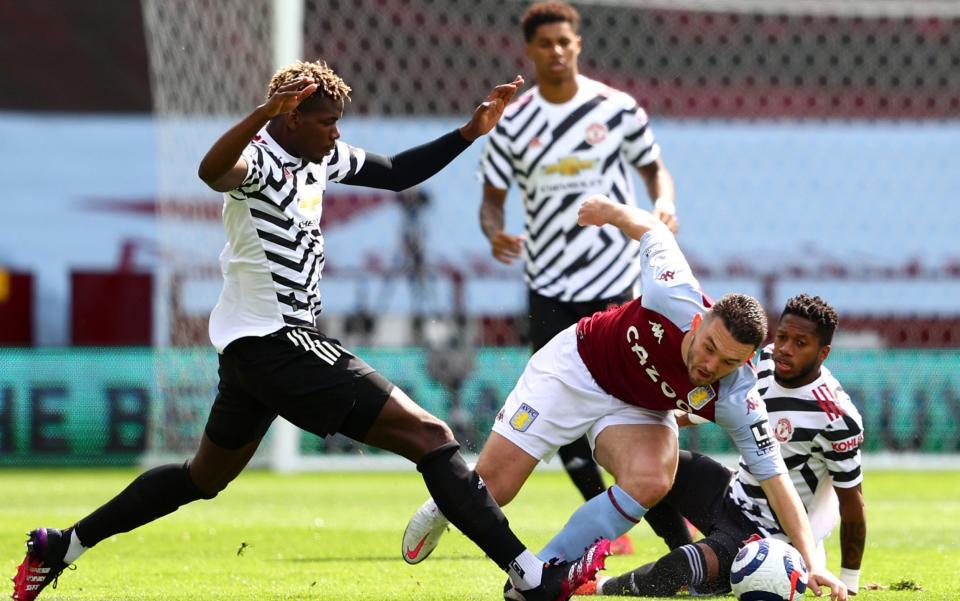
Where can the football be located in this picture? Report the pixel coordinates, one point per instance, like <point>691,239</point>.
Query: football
<point>768,570</point>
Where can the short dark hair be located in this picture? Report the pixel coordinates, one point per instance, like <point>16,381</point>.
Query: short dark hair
<point>541,13</point>
<point>743,317</point>
<point>816,310</point>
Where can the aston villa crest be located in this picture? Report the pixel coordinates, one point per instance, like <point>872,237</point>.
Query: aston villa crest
<point>523,417</point>
<point>700,396</point>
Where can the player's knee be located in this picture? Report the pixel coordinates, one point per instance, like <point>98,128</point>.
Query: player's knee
<point>208,488</point>
<point>434,432</point>
<point>207,484</point>
<point>647,489</point>
<point>501,487</point>
<point>215,488</point>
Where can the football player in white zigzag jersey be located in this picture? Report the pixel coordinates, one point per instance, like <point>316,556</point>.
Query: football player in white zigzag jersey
<point>566,138</point>
<point>820,433</point>
<point>273,167</point>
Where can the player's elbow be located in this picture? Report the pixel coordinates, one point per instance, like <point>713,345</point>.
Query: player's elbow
<point>207,175</point>
<point>213,180</point>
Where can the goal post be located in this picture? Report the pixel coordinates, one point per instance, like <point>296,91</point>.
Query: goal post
<point>210,62</point>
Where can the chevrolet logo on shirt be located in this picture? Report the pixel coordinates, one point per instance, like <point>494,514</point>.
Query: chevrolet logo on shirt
<point>569,166</point>
<point>309,203</point>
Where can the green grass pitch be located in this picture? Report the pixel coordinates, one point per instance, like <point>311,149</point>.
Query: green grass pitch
<point>337,537</point>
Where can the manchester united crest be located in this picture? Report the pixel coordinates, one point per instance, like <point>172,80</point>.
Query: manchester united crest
<point>596,133</point>
<point>784,430</point>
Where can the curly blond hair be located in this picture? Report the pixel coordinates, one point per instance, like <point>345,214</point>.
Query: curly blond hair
<point>330,84</point>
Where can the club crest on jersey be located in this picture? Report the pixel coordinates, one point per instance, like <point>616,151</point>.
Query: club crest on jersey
<point>596,133</point>
<point>700,396</point>
<point>568,166</point>
<point>523,417</point>
<point>784,430</point>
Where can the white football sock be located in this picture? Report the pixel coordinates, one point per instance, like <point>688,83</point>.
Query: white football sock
<point>75,549</point>
<point>525,571</point>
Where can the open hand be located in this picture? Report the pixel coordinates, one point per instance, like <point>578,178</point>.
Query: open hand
<point>491,109</point>
<point>289,96</point>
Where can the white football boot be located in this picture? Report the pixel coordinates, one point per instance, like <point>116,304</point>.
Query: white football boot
<point>423,532</point>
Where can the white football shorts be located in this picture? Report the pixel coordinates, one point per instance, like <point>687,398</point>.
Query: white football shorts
<point>556,401</point>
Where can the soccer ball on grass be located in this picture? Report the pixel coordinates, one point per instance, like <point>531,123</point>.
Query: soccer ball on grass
<point>768,570</point>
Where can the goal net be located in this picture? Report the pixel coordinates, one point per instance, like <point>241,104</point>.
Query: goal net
<point>811,116</point>
<point>209,62</point>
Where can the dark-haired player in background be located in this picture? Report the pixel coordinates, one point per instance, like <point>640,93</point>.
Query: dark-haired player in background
<point>273,167</point>
<point>565,139</point>
<point>820,433</point>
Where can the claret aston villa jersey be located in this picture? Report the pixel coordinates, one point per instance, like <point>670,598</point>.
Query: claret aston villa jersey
<point>633,353</point>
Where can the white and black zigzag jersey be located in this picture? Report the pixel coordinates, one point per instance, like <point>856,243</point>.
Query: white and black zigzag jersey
<point>820,433</point>
<point>273,258</point>
<point>558,154</point>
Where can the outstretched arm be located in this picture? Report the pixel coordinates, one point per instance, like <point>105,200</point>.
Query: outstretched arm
<point>787,505</point>
<point>600,210</point>
<point>416,165</point>
<point>222,168</point>
<point>488,113</point>
<point>853,535</point>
